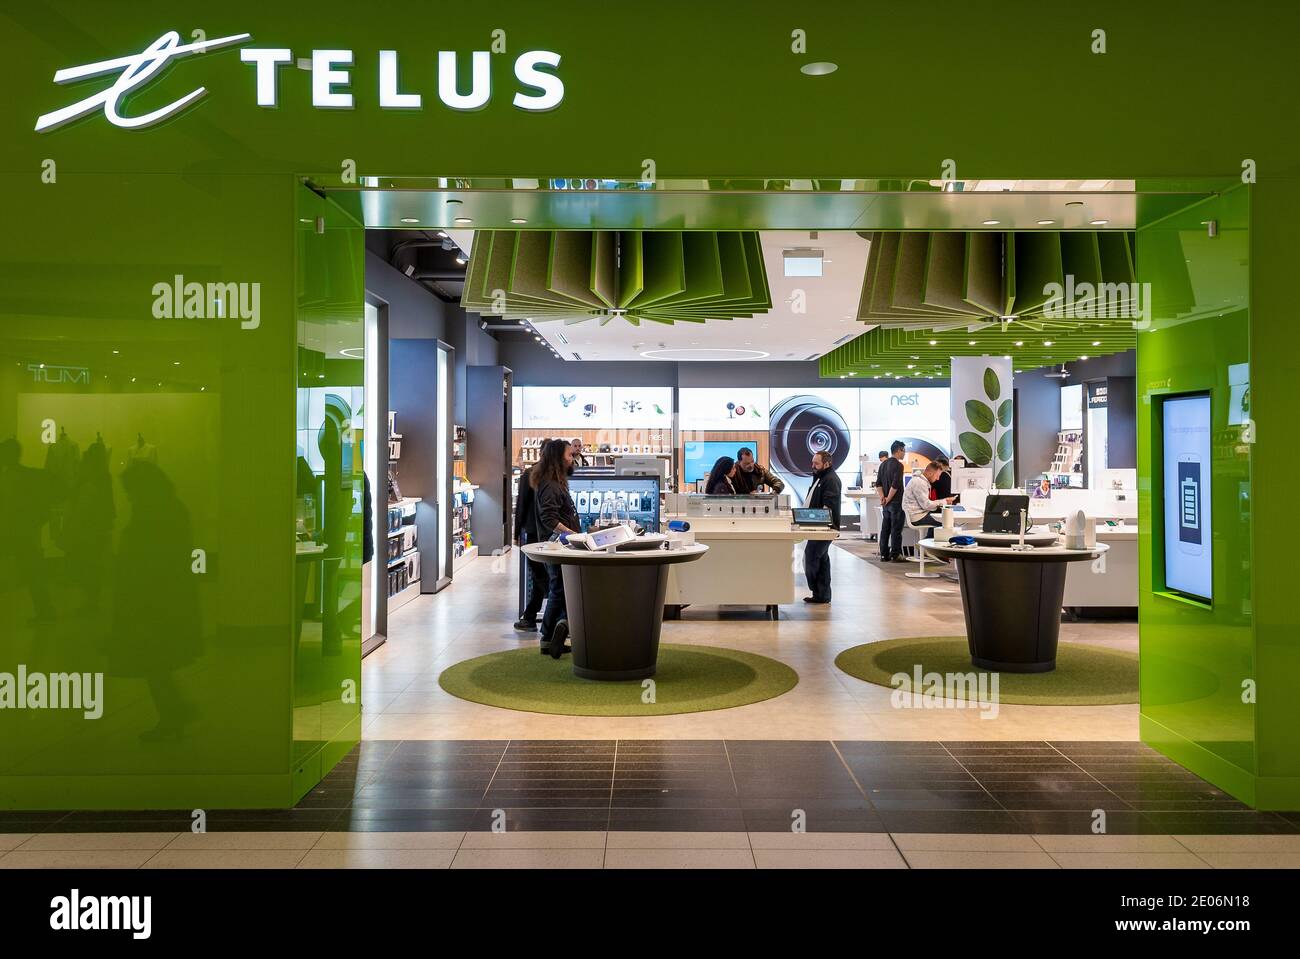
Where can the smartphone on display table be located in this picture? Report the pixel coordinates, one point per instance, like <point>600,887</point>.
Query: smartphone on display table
<point>1189,505</point>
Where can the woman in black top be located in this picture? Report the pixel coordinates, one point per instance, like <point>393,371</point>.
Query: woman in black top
<point>555,513</point>
<point>719,484</point>
<point>942,486</point>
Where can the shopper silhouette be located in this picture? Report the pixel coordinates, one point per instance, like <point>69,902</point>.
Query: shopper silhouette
<point>157,627</point>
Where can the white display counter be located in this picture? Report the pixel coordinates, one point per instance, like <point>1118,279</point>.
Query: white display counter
<point>751,562</point>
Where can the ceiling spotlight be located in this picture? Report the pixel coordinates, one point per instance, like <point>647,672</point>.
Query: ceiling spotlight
<point>1083,357</point>
<point>442,234</point>
<point>972,343</point>
<point>463,219</point>
<point>911,366</point>
<point>992,222</point>
<point>1099,222</point>
<point>461,260</point>
<point>517,219</point>
<point>410,219</point>
<point>1096,342</point>
<point>1046,222</point>
<point>934,342</point>
<point>819,69</point>
<point>1020,342</point>
<point>1047,342</point>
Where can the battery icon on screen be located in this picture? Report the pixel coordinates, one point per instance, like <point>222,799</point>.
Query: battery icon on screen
<point>1189,496</point>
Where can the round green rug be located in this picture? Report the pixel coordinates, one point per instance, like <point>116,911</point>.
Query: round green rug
<point>1084,675</point>
<point>690,679</point>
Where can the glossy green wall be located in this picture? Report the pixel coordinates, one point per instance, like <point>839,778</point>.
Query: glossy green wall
<point>242,655</point>
<point>1196,657</point>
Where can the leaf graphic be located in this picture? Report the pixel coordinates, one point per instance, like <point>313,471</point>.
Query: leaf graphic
<point>980,416</point>
<point>976,448</point>
<point>992,388</point>
<point>1005,412</point>
<point>1006,447</point>
<point>1006,478</point>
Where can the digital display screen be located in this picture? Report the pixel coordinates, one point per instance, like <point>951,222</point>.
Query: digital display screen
<point>1189,568</point>
<point>639,496</point>
<point>698,457</point>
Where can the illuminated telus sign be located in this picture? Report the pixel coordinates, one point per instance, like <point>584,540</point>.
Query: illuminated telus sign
<point>331,74</point>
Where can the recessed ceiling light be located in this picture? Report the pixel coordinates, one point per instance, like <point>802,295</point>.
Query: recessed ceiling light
<point>992,222</point>
<point>1099,222</point>
<point>1096,342</point>
<point>517,219</point>
<point>1083,357</point>
<point>972,342</point>
<point>1046,222</point>
<point>463,219</point>
<point>819,69</point>
<point>934,342</point>
<point>1047,342</point>
<point>1020,342</point>
<point>911,366</point>
<point>410,219</point>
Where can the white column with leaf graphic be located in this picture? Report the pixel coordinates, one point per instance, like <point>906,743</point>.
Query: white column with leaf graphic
<point>982,413</point>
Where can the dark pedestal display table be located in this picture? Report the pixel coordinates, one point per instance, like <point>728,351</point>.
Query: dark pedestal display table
<point>614,604</point>
<point>1012,600</point>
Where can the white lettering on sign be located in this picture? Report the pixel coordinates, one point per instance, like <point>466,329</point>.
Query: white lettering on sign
<point>135,71</point>
<point>331,70</point>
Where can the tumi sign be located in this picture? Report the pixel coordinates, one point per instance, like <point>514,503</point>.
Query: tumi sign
<point>331,70</point>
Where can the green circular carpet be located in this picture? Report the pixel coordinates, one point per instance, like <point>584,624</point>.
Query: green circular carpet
<point>1084,675</point>
<point>690,679</point>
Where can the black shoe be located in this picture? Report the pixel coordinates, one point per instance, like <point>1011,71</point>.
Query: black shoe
<point>558,636</point>
<point>816,601</point>
<point>527,625</point>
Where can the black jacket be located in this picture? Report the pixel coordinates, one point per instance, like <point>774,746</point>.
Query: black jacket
<point>825,493</point>
<point>890,476</point>
<point>526,529</point>
<point>554,505</point>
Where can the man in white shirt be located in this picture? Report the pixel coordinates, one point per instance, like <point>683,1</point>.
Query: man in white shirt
<point>920,509</point>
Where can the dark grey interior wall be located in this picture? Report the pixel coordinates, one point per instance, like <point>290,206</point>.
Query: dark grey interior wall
<point>413,312</point>
<point>473,347</point>
<point>1038,408</point>
<point>413,395</point>
<point>1121,422</point>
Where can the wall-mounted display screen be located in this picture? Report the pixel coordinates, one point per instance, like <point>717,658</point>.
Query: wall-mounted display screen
<point>698,457</point>
<point>639,496</point>
<point>1188,564</point>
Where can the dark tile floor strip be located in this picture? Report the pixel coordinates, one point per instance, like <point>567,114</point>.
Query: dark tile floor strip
<point>730,786</point>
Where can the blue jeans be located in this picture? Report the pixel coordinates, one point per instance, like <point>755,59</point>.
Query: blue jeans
<point>891,529</point>
<point>554,601</point>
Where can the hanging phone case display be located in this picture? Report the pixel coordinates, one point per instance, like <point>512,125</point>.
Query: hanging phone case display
<point>401,553</point>
<point>462,502</point>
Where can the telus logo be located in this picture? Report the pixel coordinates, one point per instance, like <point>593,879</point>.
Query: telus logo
<point>208,301</point>
<point>75,912</point>
<point>330,69</point>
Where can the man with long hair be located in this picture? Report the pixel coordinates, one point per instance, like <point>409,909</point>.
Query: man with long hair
<point>555,513</point>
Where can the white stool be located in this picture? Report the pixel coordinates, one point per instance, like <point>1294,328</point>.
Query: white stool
<point>922,532</point>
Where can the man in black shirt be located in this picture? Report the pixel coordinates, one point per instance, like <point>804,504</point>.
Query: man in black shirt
<point>890,479</point>
<point>825,493</point>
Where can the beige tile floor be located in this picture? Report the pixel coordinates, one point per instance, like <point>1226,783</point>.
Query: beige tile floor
<point>473,616</point>
<point>644,850</point>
